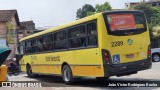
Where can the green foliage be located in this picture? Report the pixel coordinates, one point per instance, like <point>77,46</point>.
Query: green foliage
<point>88,10</point>
<point>152,14</point>
<point>103,7</point>
<point>82,12</point>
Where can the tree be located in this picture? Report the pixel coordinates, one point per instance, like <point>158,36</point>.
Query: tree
<point>103,7</point>
<point>152,14</point>
<point>150,11</point>
<point>88,10</point>
<point>82,12</point>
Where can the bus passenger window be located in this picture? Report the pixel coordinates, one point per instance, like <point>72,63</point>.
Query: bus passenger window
<point>61,40</point>
<point>21,48</point>
<point>28,46</point>
<point>50,43</point>
<point>83,41</point>
<point>44,41</point>
<point>33,43</point>
<point>77,37</point>
<point>39,44</point>
<point>92,34</point>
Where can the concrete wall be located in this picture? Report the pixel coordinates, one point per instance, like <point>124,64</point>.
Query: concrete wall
<point>13,47</point>
<point>3,29</point>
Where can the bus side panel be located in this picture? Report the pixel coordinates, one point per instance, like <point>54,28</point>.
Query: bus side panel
<point>41,64</point>
<point>23,67</point>
<point>67,57</point>
<point>31,59</point>
<point>88,63</point>
<point>27,59</point>
<point>22,64</point>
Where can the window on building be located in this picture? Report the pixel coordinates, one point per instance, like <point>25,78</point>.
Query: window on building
<point>154,4</point>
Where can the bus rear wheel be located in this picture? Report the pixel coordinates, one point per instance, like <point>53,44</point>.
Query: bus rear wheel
<point>67,75</point>
<point>29,72</point>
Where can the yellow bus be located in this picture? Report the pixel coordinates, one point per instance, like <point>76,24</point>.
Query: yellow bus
<point>114,43</point>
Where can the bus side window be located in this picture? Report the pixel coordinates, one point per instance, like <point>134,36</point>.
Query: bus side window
<point>28,46</point>
<point>77,37</point>
<point>60,40</point>
<point>20,48</point>
<point>49,41</point>
<point>33,46</point>
<point>92,34</point>
<point>44,43</point>
<point>25,49</point>
<point>39,44</point>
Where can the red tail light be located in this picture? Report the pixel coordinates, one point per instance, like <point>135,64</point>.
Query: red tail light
<point>149,51</point>
<point>106,54</point>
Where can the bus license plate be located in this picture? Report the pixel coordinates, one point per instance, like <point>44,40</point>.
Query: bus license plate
<point>130,56</point>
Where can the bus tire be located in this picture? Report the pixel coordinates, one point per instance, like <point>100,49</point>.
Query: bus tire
<point>67,74</point>
<point>29,72</point>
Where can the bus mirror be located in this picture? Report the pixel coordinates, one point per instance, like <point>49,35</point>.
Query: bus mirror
<point>4,53</point>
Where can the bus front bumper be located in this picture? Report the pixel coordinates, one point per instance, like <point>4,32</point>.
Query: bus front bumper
<point>126,68</point>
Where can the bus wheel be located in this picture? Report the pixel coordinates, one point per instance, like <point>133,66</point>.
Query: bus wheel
<point>156,57</point>
<point>67,75</point>
<point>29,72</point>
<point>102,78</point>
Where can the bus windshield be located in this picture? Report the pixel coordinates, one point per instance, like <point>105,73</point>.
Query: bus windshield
<point>125,23</point>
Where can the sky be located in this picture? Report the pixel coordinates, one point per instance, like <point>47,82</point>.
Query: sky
<point>51,13</point>
<point>3,42</point>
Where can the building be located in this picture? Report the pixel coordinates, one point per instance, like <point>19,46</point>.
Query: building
<point>11,31</point>
<point>130,5</point>
<point>154,0</point>
<point>26,27</point>
<point>9,24</point>
<point>29,25</point>
<point>154,3</point>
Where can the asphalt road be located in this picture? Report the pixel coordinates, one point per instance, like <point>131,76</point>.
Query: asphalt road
<point>152,74</point>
